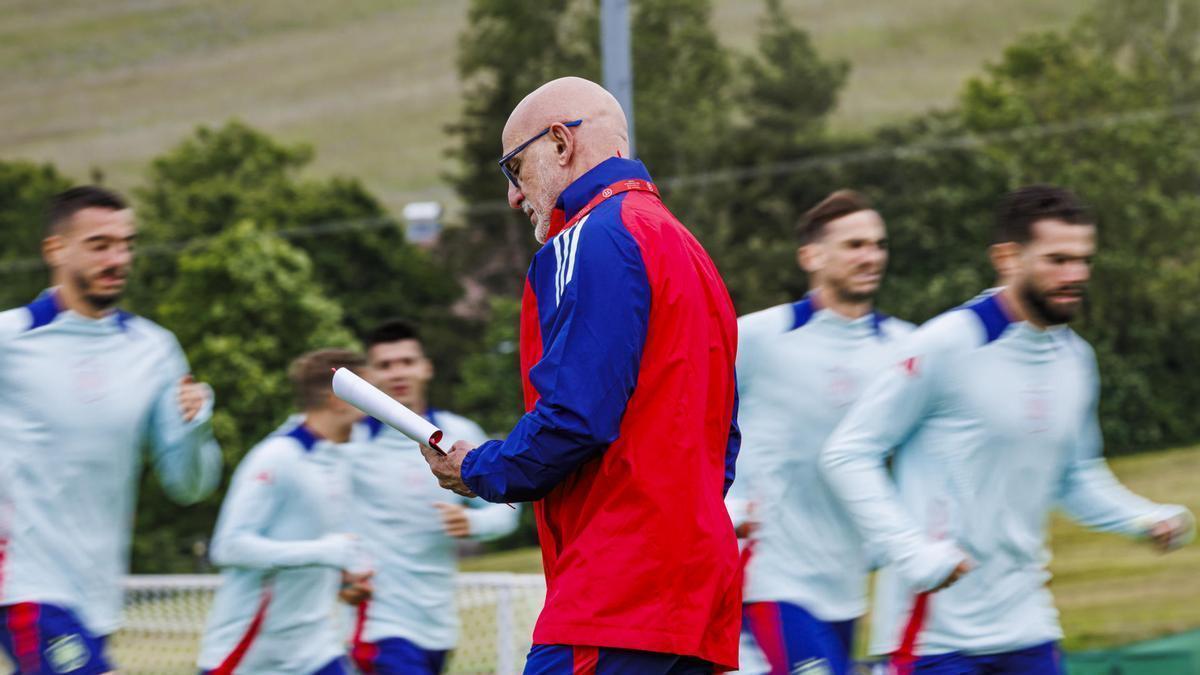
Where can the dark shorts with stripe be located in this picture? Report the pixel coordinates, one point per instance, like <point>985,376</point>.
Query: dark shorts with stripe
<point>1043,659</point>
<point>793,640</point>
<point>576,660</point>
<point>397,656</point>
<point>41,638</point>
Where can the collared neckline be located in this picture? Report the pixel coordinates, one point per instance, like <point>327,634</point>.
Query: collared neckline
<point>580,193</point>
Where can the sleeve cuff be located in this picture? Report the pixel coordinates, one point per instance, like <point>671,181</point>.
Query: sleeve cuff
<point>472,478</point>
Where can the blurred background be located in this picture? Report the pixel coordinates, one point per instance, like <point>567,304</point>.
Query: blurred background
<point>302,170</point>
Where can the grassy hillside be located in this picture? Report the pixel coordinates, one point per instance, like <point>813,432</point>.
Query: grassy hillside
<point>371,83</point>
<point>1111,590</point>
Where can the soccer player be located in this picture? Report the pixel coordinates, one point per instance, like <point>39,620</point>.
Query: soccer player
<point>408,524</point>
<point>800,366</point>
<point>628,341</point>
<point>993,410</point>
<point>84,388</point>
<point>282,541</point>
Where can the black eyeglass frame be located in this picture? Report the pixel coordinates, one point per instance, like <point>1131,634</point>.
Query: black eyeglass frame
<point>503,162</point>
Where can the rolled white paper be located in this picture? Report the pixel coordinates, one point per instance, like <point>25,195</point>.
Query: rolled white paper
<point>363,395</point>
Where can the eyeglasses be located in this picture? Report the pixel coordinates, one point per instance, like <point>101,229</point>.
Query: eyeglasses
<point>510,172</point>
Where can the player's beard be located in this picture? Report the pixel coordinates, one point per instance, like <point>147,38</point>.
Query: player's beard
<point>1037,303</point>
<point>100,301</point>
<point>848,295</point>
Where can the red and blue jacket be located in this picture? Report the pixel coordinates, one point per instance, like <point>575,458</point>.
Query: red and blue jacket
<point>628,341</point>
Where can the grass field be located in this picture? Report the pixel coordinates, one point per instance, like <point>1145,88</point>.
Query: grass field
<point>371,83</point>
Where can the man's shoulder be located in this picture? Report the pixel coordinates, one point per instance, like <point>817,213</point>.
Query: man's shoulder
<point>894,328</point>
<point>144,328</point>
<point>15,321</point>
<point>956,331</point>
<point>279,448</point>
<point>766,322</point>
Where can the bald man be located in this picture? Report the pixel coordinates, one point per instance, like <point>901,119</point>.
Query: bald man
<point>628,340</point>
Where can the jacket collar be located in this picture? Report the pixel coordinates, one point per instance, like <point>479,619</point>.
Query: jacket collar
<point>580,193</point>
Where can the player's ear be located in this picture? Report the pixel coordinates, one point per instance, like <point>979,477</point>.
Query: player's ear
<point>1006,259</point>
<point>811,257</point>
<point>53,250</point>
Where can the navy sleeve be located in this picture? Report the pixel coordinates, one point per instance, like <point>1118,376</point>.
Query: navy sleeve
<point>733,447</point>
<point>587,372</point>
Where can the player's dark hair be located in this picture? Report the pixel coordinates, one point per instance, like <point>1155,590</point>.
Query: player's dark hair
<point>391,330</point>
<point>312,374</point>
<point>69,202</point>
<point>1021,208</point>
<point>837,205</point>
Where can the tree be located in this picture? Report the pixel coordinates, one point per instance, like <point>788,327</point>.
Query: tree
<point>25,190</point>
<point>683,108</point>
<point>243,304</point>
<point>490,392</point>
<point>221,176</point>
<point>744,206</point>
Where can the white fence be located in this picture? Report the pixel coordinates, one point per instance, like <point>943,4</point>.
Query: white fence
<point>164,618</point>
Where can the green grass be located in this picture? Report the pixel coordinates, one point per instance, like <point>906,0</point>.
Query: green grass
<point>372,83</point>
<point>1112,590</point>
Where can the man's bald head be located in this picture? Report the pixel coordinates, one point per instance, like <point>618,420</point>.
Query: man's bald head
<point>604,132</point>
<point>549,164</point>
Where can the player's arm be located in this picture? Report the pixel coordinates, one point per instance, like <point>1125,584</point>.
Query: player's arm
<point>853,464</point>
<point>256,496</point>
<point>184,453</point>
<point>1092,495</point>
<point>585,376</point>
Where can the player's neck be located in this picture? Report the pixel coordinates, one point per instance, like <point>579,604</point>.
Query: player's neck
<point>329,424</point>
<point>850,309</point>
<point>68,297</point>
<point>1016,310</point>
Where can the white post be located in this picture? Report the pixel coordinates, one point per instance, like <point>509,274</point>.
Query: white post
<point>506,657</point>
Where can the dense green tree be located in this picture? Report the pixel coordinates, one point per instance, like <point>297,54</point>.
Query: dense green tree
<point>25,189</point>
<point>243,304</point>
<point>220,176</point>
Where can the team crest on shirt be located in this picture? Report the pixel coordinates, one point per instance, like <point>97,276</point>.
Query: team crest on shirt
<point>91,379</point>
<point>910,366</point>
<point>67,653</point>
<point>843,386</point>
<point>812,667</point>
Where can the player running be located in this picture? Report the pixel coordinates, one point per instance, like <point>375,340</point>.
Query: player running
<point>408,524</point>
<point>84,388</point>
<point>281,540</point>
<point>800,366</point>
<point>993,411</point>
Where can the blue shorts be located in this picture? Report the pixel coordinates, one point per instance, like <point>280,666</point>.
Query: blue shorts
<point>50,639</point>
<point>791,639</point>
<point>397,656</point>
<point>1044,659</point>
<point>574,660</point>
